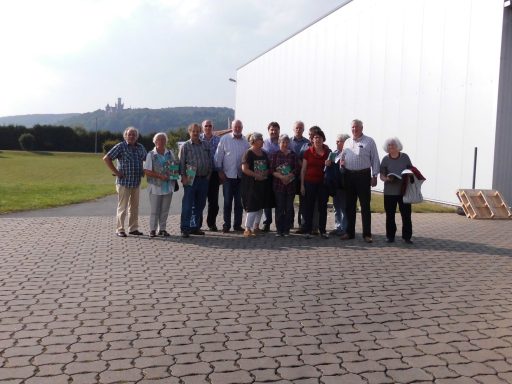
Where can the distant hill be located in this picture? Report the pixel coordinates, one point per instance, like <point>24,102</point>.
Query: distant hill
<point>145,119</point>
<point>31,120</point>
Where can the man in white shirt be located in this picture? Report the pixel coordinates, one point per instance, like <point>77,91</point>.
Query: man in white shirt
<point>228,162</point>
<point>361,161</point>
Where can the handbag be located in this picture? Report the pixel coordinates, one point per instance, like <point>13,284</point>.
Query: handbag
<point>412,193</point>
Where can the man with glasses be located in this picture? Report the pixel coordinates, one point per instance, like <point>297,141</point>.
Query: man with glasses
<point>297,142</point>
<point>361,161</point>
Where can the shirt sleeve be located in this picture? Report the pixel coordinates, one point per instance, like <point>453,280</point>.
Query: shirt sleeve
<point>374,157</point>
<point>114,152</point>
<point>148,164</point>
<point>182,156</point>
<point>219,155</point>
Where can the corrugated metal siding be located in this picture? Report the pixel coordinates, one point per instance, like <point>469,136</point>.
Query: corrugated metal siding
<point>502,176</point>
<point>426,71</point>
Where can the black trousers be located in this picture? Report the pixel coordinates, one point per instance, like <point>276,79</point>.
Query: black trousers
<point>358,187</point>
<point>390,203</point>
<point>213,199</point>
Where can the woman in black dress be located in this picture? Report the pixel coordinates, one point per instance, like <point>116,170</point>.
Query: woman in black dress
<point>255,184</point>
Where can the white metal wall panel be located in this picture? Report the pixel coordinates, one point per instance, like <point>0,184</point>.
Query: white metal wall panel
<point>423,70</point>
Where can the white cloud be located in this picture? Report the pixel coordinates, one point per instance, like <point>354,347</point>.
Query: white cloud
<point>77,55</point>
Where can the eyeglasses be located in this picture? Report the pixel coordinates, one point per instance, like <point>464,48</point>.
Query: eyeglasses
<point>208,125</point>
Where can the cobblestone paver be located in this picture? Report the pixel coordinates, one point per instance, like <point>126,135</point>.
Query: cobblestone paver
<point>79,305</point>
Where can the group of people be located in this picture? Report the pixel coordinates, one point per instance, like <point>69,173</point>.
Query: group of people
<point>259,175</point>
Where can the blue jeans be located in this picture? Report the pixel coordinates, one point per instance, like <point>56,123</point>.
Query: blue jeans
<point>340,216</point>
<point>232,192</point>
<point>193,203</point>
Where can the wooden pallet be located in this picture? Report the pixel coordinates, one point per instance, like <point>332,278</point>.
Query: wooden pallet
<point>484,204</point>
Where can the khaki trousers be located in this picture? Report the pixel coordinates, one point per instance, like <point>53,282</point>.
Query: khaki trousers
<point>128,200</point>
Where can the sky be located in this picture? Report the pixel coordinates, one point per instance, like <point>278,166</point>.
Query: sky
<point>63,56</point>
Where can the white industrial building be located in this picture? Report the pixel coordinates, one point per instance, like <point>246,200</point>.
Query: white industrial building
<point>435,73</point>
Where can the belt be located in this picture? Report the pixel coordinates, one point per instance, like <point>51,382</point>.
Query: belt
<point>366,170</point>
<point>201,177</point>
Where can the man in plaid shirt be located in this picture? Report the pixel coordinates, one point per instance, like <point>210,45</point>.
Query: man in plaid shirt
<point>130,156</point>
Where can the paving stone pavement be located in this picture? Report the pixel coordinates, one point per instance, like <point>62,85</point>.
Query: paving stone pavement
<point>79,305</point>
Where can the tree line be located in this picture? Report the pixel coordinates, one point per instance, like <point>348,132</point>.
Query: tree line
<point>68,139</point>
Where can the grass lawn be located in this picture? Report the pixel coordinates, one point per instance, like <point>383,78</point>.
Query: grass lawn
<point>33,180</point>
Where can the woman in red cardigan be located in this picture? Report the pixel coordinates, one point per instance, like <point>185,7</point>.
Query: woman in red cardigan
<point>312,185</point>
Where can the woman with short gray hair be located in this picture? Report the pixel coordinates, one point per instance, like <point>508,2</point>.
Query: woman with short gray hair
<point>255,188</point>
<point>391,168</point>
<point>158,169</point>
<point>284,167</point>
<point>339,196</point>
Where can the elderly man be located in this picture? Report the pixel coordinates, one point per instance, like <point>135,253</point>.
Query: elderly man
<point>195,169</point>
<point>212,141</point>
<point>361,161</point>
<point>298,142</point>
<point>270,146</point>
<point>130,156</point>
<point>228,162</point>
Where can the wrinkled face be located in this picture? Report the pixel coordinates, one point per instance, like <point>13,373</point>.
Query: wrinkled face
<point>273,132</point>
<point>131,136</point>
<point>393,148</point>
<point>357,130</point>
<point>298,129</point>
<point>160,142</point>
<point>237,128</point>
<point>207,127</point>
<point>339,144</point>
<point>194,133</point>
<point>283,145</point>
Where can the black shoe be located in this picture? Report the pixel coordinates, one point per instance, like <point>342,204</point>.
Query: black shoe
<point>299,231</point>
<point>408,241</point>
<point>136,233</point>
<point>197,232</point>
<point>225,230</point>
<point>185,234</point>
<point>120,234</point>
<point>324,235</point>
<point>238,229</point>
<point>163,233</point>
<point>152,233</point>
<point>389,240</point>
<point>346,236</point>
<point>213,228</point>
<point>266,228</point>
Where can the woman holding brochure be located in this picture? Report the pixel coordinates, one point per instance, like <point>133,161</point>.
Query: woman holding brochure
<point>255,187</point>
<point>392,168</point>
<point>161,170</point>
<point>285,169</point>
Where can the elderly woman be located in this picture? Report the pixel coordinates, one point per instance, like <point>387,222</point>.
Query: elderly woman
<point>391,169</point>
<point>255,186</point>
<point>312,185</point>
<point>284,167</point>
<point>339,196</point>
<point>157,168</point>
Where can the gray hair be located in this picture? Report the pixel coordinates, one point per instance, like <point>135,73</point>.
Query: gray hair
<point>125,133</point>
<point>358,122</point>
<point>253,137</point>
<point>160,134</point>
<point>392,140</point>
<point>342,137</point>
<point>283,137</point>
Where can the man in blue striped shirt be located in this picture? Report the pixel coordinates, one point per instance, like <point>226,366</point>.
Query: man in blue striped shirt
<point>130,156</point>
<point>228,162</point>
